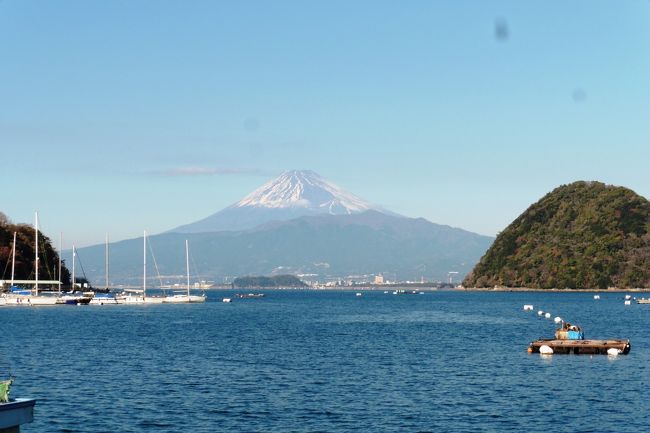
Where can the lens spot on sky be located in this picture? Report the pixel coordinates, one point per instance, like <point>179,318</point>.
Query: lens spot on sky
<point>501,30</point>
<point>579,95</point>
<point>251,124</point>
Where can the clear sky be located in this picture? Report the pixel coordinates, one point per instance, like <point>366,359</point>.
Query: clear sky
<point>120,116</point>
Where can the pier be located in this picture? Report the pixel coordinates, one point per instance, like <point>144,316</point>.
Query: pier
<point>581,347</point>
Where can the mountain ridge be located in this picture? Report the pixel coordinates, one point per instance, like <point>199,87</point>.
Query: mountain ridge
<point>327,245</point>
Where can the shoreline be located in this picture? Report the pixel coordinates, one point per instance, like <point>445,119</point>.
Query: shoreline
<point>528,289</point>
<point>433,289</point>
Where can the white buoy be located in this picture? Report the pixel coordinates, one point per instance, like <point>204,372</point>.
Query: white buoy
<point>612,351</point>
<point>628,297</point>
<point>528,307</point>
<point>540,313</point>
<point>227,300</point>
<point>359,293</point>
<point>596,296</point>
<point>628,302</point>
<point>558,319</point>
<point>547,315</point>
<point>545,350</point>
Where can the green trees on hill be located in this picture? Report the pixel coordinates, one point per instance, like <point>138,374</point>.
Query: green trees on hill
<point>268,282</point>
<point>24,264</point>
<point>584,235</point>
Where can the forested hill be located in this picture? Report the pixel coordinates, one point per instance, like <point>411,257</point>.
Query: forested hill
<point>585,235</point>
<point>24,264</point>
<point>268,282</point>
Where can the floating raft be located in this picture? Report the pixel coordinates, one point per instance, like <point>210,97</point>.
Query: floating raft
<point>581,347</point>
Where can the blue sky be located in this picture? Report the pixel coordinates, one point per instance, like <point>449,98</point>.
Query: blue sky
<point>122,116</point>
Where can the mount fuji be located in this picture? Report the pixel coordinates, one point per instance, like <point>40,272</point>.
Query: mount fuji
<point>300,223</point>
<point>293,194</point>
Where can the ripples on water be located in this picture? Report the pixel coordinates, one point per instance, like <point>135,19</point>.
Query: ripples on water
<point>334,362</point>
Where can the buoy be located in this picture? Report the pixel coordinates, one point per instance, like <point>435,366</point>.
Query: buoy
<point>596,296</point>
<point>540,313</point>
<point>547,315</point>
<point>359,293</point>
<point>227,300</point>
<point>528,307</point>
<point>628,302</point>
<point>628,297</point>
<point>557,319</point>
<point>545,350</point>
<point>612,351</point>
<point>530,349</point>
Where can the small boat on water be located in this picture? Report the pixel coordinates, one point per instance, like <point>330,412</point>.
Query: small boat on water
<point>249,295</point>
<point>643,301</point>
<point>570,339</point>
<point>405,292</point>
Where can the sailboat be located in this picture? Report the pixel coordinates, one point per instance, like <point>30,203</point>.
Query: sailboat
<point>74,297</point>
<point>180,298</point>
<point>107,297</point>
<point>140,296</point>
<point>18,296</point>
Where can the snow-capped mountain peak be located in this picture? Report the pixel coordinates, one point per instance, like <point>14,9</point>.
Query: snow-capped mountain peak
<point>304,189</point>
<point>293,194</point>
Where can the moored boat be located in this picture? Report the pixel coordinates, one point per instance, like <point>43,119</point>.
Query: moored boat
<point>185,297</point>
<point>103,299</point>
<point>74,298</point>
<point>29,297</point>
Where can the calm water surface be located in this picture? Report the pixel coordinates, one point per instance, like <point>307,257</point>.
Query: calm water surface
<point>298,361</point>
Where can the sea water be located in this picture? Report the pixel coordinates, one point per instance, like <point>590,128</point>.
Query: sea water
<point>330,361</point>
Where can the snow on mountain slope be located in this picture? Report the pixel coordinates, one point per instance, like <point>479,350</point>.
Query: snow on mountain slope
<point>293,194</point>
<point>305,189</point>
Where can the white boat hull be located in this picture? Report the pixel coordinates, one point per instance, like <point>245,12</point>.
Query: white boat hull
<point>27,300</point>
<point>141,300</point>
<point>184,299</point>
<point>104,301</point>
<point>154,300</point>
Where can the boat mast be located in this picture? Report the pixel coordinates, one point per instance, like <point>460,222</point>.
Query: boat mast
<point>13,260</point>
<point>36,251</point>
<point>187,266</point>
<point>106,261</point>
<point>60,249</point>
<point>74,280</point>
<point>144,270</point>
